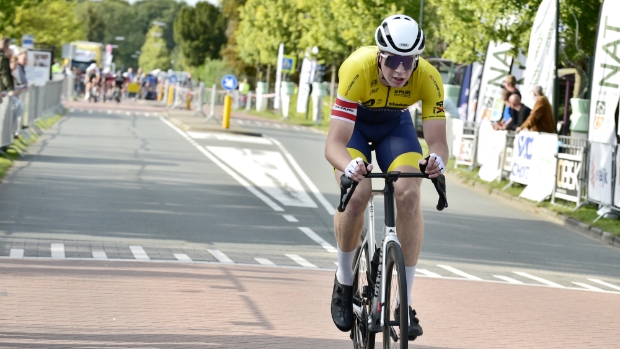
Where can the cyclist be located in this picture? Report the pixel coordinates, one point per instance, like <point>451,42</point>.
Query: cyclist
<point>377,85</point>
<point>91,78</point>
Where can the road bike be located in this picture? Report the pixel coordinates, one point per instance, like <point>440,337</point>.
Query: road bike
<point>379,284</point>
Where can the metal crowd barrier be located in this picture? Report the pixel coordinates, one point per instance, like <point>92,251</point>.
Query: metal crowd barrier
<point>571,174</point>
<point>38,102</point>
<point>466,155</point>
<point>507,156</point>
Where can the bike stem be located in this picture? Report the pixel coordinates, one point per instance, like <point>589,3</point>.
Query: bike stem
<point>388,193</point>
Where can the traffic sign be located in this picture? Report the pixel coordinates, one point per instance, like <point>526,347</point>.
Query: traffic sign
<point>288,64</point>
<point>173,79</point>
<point>229,82</point>
<point>28,41</point>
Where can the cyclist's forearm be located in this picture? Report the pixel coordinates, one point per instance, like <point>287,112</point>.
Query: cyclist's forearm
<point>337,155</point>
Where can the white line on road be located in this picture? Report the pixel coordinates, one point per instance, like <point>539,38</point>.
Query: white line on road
<point>301,261</point>
<point>90,112</point>
<point>601,282</point>
<point>319,196</point>
<point>290,218</point>
<point>128,113</point>
<point>139,253</point>
<point>539,279</point>
<point>220,256</point>
<point>58,250</point>
<point>319,240</point>
<point>17,253</point>
<point>100,255</point>
<point>458,272</point>
<point>507,279</point>
<point>226,169</point>
<point>589,287</point>
<point>427,273</point>
<point>264,261</point>
<point>182,257</point>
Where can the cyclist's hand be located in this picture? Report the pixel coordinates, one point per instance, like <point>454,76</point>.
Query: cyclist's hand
<point>357,169</point>
<point>434,165</point>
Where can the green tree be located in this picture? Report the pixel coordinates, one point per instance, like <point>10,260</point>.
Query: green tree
<point>154,51</point>
<point>8,10</point>
<point>52,22</point>
<point>199,32</point>
<point>230,52</point>
<point>264,25</point>
<point>95,25</point>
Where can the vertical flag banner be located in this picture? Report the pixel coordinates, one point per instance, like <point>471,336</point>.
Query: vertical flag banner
<point>605,77</point>
<point>518,71</point>
<point>541,54</point>
<point>599,172</point>
<point>464,94</point>
<point>496,66</point>
<point>276,102</point>
<point>474,90</point>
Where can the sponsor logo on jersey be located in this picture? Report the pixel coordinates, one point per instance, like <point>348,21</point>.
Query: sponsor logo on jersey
<point>369,103</point>
<point>351,84</point>
<point>345,109</point>
<point>374,82</point>
<point>398,105</point>
<point>374,90</point>
<point>436,86</point>
<point>402,93</point>
<point>438,108</point>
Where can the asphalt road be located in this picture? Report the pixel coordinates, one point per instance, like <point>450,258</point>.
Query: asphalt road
<point>117,186</point>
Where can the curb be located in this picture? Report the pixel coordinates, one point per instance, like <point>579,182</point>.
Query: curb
<point>559,218</point>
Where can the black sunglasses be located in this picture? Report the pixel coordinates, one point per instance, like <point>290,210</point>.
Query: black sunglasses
<point>395,61</point>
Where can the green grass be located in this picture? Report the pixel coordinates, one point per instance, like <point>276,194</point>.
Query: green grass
<point>22,143</point>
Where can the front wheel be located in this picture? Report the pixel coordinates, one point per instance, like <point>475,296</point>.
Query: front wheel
<point>362,301</point>
<point>396,324</point>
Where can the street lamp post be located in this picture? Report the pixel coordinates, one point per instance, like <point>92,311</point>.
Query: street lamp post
<point>421,13</point>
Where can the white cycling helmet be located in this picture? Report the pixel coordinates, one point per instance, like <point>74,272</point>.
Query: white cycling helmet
<point>400,35</point>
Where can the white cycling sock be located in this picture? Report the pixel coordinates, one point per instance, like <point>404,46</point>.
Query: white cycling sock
<point>344,274</point>
<point>410,272</point>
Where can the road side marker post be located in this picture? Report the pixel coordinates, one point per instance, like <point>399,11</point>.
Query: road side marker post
<point>227,109</point>
<point>229,83</point>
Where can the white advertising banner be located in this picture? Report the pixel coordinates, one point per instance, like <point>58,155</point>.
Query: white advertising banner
<point>541,54</point>
<point>276,100</point>
<point>518,70</point>
<point>531,156</point>
<point>38,67</point>
<point>457,134</point>
<point>617,186</point>
<point>605,77</point>
<point>496,66</point>
<point>599,172</point>
<point>491,144</point>
<point>541,176</point>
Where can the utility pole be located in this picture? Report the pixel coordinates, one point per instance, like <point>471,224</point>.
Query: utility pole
<point>421,14</point>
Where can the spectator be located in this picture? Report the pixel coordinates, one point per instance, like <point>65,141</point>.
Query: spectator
<point>541,119</point>
<point>19,73</point>
<point>510,84</point>
<point>499,125</point>
<point>6,78</point>
<point>518,114</point>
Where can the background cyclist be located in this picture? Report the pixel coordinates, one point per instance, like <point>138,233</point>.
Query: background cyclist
<point>377,85</point>
<point>92,77</point>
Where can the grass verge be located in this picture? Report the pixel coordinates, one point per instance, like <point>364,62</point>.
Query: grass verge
<point>22,143</point>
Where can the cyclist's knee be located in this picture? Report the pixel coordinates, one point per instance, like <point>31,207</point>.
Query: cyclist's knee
<point>408,196</point>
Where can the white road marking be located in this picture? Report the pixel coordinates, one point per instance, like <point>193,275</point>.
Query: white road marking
<point>90,112</point>
<point>601,282</point>
<point>220,256</point>
<point>336,263</point>
<point>319,240</point>
<point>458,272</point>
<point>507,279</point>
<point>539,279</point>
<point>267,170</point>
<point>230,172</point>
<point>71,110</point>
<point>278,126</point>
<point>427,273</point>
<point>58,250</point>
<point>239,121</point>
<point>264,261</point>
<point>315,191</point>
<point>100,255</point>
<point>128,113</point>
<point>589,287</point>
<point>301,261</point>
<point>139,253</point>
<point>290,218</point>
<point>109,112</point>
<point>17,253</point>
<point>229,137</point>
<point>182,257</point>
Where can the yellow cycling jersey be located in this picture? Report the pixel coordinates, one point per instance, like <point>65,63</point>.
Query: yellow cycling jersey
<point>360,88</point>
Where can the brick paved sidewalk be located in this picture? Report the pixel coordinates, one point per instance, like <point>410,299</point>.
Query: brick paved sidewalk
<point>82,304</point>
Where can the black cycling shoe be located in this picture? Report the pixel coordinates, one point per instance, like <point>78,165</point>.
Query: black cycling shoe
<point>342,306</point>
<point>414,324</point>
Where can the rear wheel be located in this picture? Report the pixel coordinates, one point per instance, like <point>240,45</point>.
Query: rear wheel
<point>362,293</point>
<point>396,325</point>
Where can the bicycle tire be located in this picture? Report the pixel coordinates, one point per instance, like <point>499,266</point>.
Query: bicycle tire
<point>395,330</point>
<point>360,335</point>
